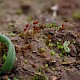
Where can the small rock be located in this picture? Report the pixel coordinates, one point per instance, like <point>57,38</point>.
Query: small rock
<point>54,78</point>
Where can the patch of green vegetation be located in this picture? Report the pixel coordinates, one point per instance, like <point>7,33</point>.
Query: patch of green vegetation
<point>73,42</point>
<point>41,50</point>
<point>39,75</point>
<point>48,41</point>
<point>59,45</point>
<point>46,65</point>
<point>63,47</point>
<point>39,69</point>
<point>76,15</point>
<point>52,53</point>
<point>51,25</point>
<point>29,19</point>
<point>50,45</point>
<point>58,28</point>
<point>64,60</point>
<point>36,77</point>
<point>61,55</point>
<point>53,69</point>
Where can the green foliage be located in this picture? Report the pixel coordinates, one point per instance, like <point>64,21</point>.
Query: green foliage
<point>39,69</point>
<point>46,65</point>
<point>36,77</point>
<point>41,50</point>
<point>50,45</point>
<point>52,53</point>
<point>65,45</point>
<point>59,45</point>
<point>29,19</point>
<point>53,69</point>
<point>51,25</point>
<point>61,55</point>
<point>58,28</point>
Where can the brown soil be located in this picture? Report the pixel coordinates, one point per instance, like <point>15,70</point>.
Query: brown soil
<point>31,59</point>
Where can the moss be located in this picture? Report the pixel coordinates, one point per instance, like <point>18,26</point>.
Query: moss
<point>51,25</point>
<point>76,15</point>
<point>52,53</point>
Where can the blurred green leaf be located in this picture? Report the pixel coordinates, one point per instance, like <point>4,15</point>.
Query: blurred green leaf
<point>66,44</point>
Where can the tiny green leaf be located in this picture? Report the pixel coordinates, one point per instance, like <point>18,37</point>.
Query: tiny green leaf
<point>50,45</point>
<point>52,53</point>
<point>66,48</point>
<point>46,65</point>
<point>53,69</point>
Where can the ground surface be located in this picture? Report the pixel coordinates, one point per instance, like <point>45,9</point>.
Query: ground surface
<point>31,59</point>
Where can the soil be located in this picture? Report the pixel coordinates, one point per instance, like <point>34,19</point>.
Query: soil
<point>33,52</point>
